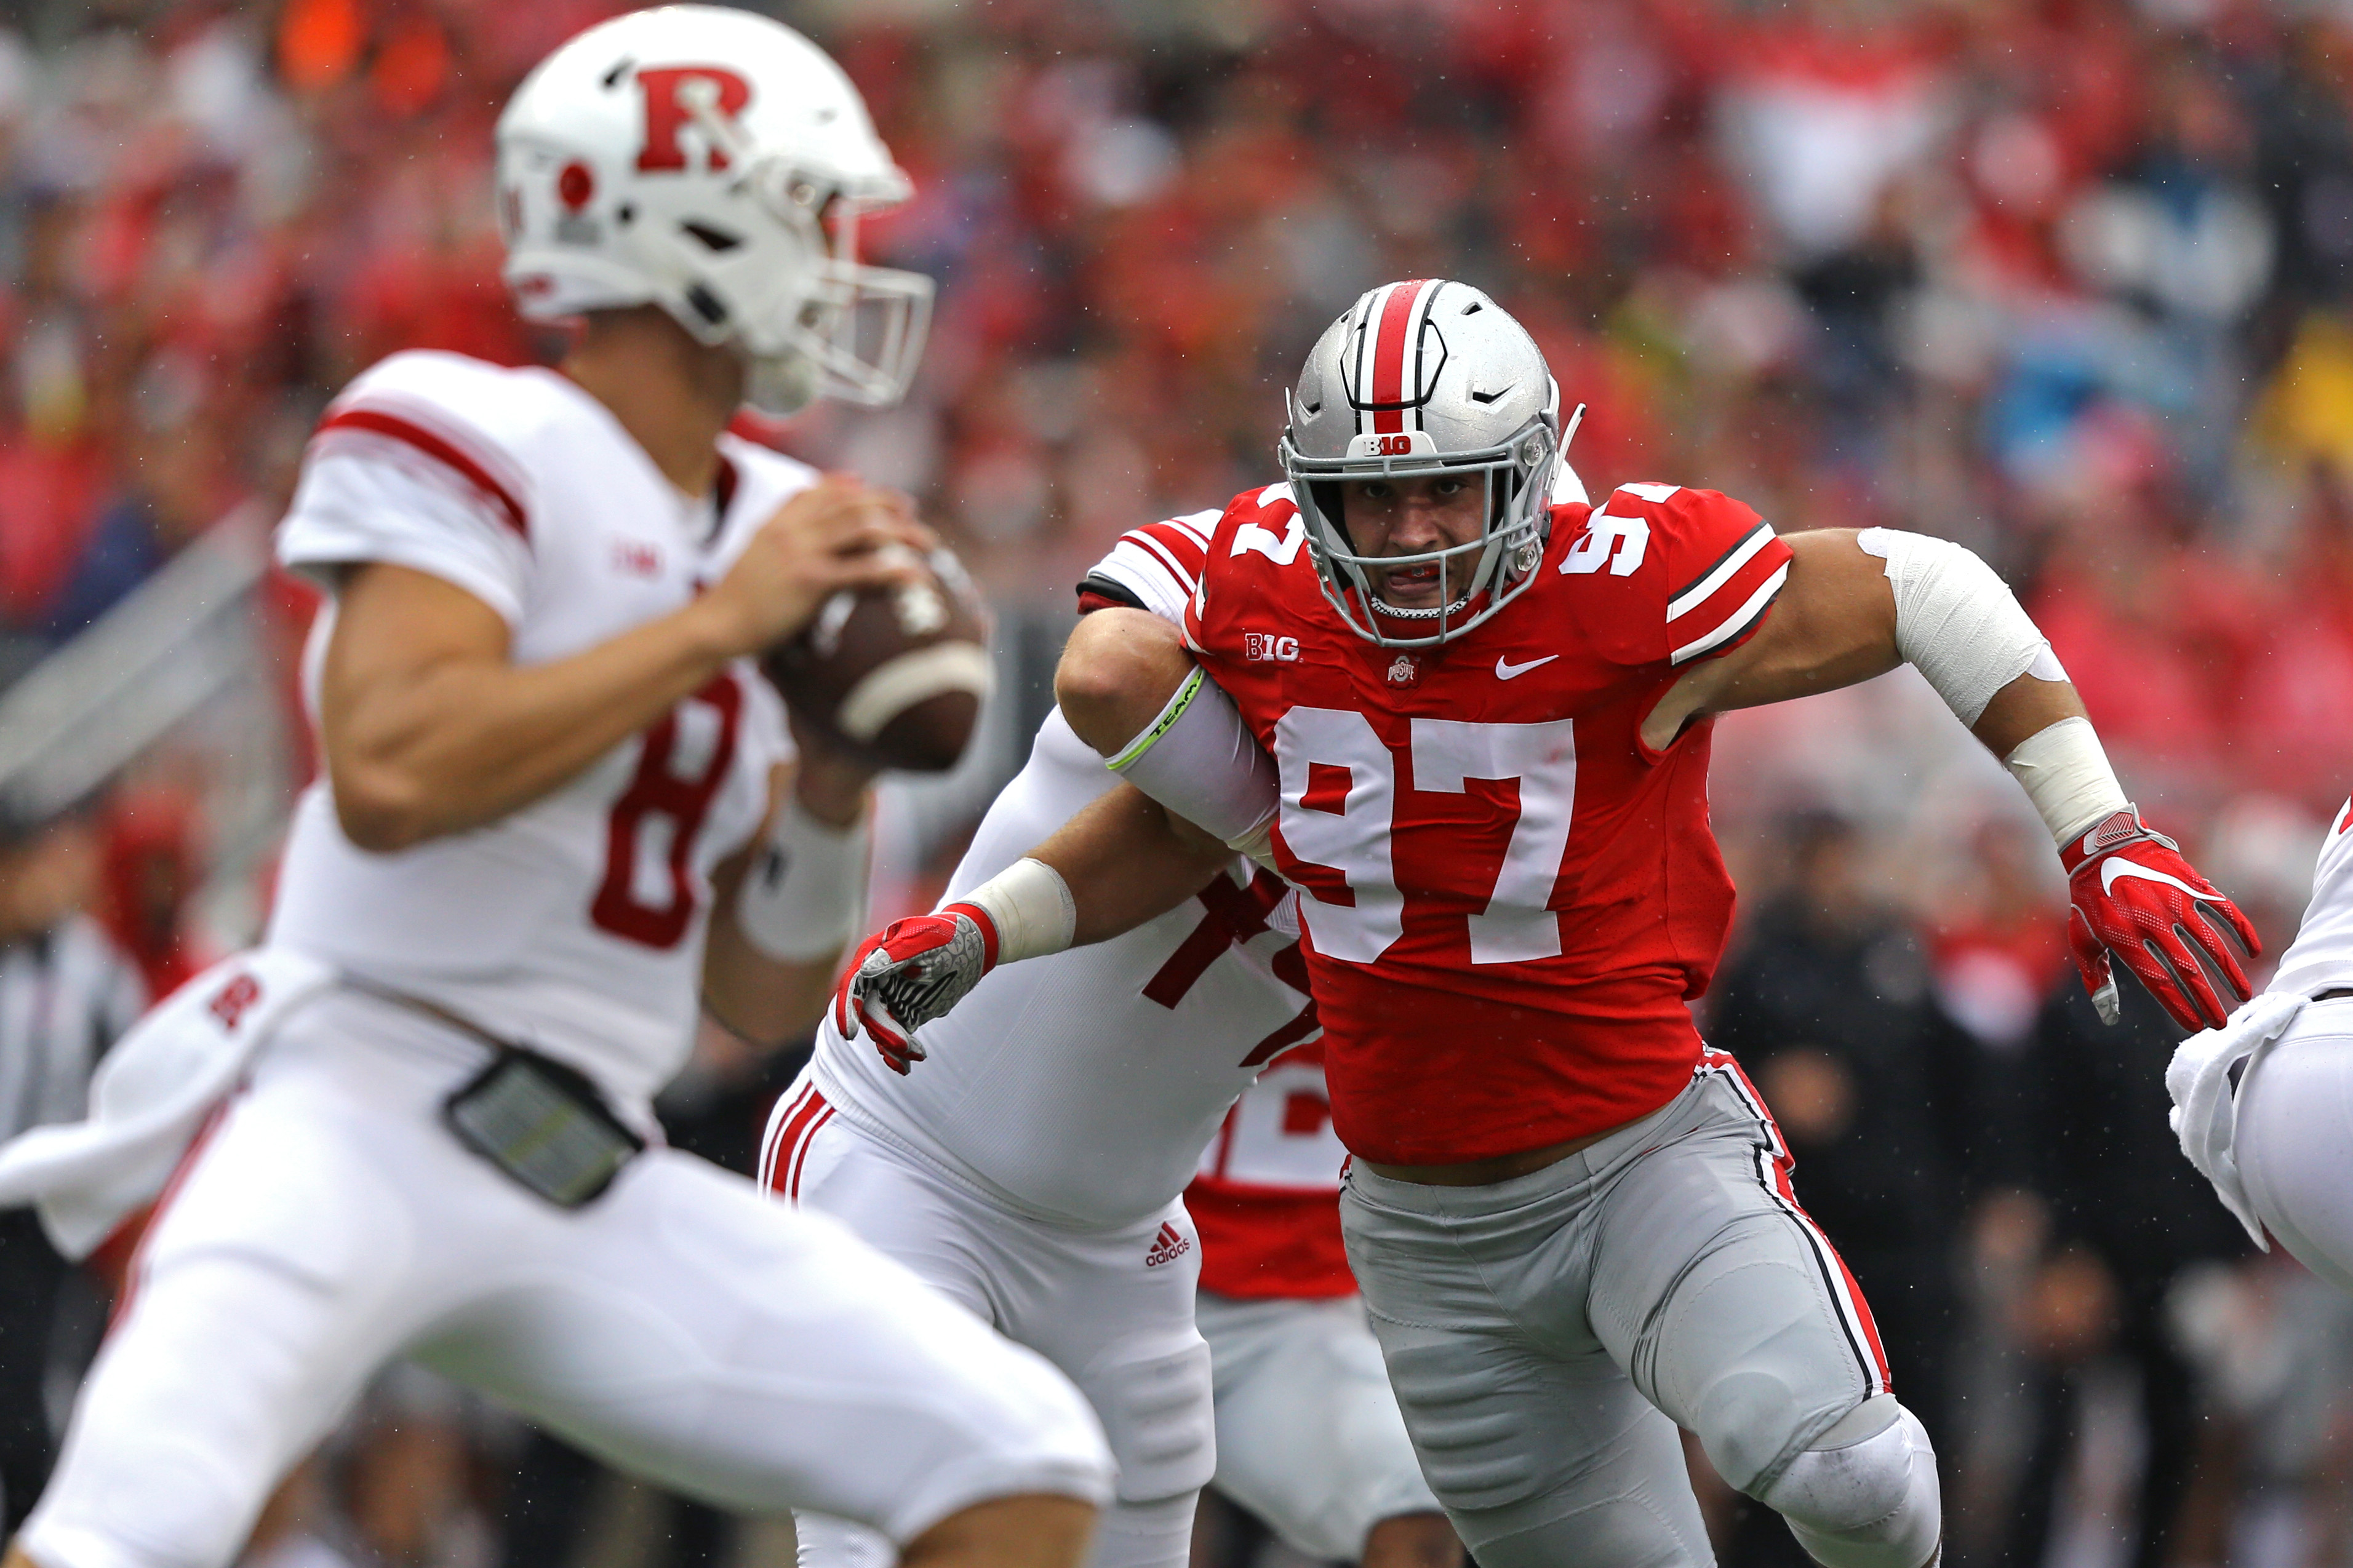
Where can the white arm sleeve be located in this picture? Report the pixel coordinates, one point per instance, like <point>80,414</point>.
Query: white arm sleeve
<point>362,499</point>
<point>1961,627</point>
<point>1200,760</point>
<point>1957,622</point>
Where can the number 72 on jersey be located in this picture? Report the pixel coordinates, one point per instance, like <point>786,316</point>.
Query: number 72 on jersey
<point>1340,803</point>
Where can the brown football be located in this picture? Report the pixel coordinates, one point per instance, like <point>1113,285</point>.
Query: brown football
<point>896,675</point>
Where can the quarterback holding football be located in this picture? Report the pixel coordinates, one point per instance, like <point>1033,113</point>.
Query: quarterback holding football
<point>558,809</point>
<point>1469,724</point>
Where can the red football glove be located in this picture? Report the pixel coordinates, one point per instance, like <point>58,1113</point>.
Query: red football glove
<point>2131,894</point>
<point>909,972</point>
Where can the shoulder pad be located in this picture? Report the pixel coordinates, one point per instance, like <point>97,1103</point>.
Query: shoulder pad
<point>1156,567</point>
<point>465,414</point>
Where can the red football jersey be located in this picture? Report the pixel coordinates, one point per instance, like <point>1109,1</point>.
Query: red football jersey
<point>1266,1202</point>
<point>1508,898</point>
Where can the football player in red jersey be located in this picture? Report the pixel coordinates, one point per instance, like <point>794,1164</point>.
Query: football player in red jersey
<point>1471,726</point>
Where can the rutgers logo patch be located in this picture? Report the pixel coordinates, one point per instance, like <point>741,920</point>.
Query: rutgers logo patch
<point>233,1000</point>
<point>668,110</point>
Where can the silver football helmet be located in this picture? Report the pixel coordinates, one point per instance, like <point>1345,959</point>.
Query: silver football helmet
<point>1419,378</point>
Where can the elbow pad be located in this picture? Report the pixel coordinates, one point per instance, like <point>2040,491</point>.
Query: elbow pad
<point>1957,622</point>
<point>1199,760</point>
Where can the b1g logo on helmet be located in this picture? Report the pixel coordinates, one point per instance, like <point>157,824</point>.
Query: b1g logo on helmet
<point>669,93</point>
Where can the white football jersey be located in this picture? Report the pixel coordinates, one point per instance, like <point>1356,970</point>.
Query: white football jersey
<point>577,924</point>
<point>2321,956</point>
<point>1081,1088</point>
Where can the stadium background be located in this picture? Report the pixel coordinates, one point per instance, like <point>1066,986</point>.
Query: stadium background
<point>2064,280</point>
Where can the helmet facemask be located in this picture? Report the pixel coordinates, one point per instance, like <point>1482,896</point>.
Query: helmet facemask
<point>1421,380</point>
<point>1517,475</point>
<point>813,322</point>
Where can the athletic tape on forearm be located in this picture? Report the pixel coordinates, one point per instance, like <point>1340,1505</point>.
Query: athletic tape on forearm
<point>1957,622</point>
<point>2064,771</point>
<point>1200,760</point>
<point>1032,907</point>
<point>804,895</point>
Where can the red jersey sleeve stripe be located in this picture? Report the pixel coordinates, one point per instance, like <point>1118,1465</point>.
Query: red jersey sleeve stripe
<point>1199,527</point>
<point>1188,551</point>
<point>1186,573</point>
<point>439,449</point>
<point>1694,594</point>
<point>1136,557</point>
<point>1739,623</point>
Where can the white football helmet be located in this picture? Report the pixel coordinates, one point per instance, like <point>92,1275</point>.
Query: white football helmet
<point>1418,379</point>
<point>714,163</point>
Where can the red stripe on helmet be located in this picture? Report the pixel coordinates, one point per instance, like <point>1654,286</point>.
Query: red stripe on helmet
<point>1388,356</point>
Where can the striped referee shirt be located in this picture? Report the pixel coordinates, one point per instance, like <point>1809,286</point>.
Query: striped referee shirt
<point>65,995</point>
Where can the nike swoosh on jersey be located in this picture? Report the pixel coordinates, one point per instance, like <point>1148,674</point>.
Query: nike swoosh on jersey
<point>1506,669</point>
<point>2114,871</point>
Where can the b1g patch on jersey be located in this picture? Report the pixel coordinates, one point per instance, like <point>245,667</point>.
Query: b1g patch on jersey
<point>1264,648</point>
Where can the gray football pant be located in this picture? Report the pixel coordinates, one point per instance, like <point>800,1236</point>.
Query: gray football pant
<point>1547,1335</point>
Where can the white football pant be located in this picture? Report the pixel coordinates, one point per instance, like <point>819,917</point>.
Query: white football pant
<point>1113,1308</point>
<point>1309,1437</point>
<point>682,1327</point>
<point>2293,1139</point>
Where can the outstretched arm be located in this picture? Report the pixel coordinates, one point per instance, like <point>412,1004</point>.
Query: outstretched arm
<point>1126,860</point>
<point>1856,606</point>
<point>1128,687</point>
<point>1120,861</point>
<point>1834,625</point>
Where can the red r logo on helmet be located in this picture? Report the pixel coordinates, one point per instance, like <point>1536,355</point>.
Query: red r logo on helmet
<point>666,111</point>
<point>230,1006</point>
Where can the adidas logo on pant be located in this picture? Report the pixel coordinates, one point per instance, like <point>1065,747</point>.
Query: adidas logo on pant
<point>1171,1243</point>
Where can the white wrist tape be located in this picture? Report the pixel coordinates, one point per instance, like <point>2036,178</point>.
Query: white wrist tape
<point>1200,760</point>
<point>804,895</point>
<point>1032,907</point>
<point>1957,622</point>
<point>2064,771</point>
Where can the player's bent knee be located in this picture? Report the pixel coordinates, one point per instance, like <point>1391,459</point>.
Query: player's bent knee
<point>1117,672</point>
<point>1865,1494</point>
<point>1033,1529</point>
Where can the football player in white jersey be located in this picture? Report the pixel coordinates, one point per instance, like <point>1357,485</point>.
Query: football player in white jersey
<point>549,759</point>
<point>1032,1166</point>
<point>2279,1146</point>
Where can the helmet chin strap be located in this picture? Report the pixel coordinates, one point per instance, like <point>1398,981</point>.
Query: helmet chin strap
<point>780,385</point>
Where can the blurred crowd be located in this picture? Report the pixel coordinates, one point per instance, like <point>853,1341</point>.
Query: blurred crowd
<point>2068,281</point>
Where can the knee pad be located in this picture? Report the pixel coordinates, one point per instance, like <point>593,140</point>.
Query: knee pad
<point>1865,1495</point>
<point>1158,1412</point>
